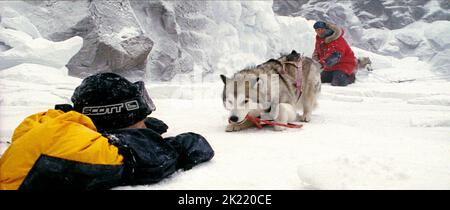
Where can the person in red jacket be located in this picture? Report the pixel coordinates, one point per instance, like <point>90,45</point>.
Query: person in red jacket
<point>334,54</point>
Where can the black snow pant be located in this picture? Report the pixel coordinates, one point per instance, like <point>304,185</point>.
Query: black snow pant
<point>337,78</point>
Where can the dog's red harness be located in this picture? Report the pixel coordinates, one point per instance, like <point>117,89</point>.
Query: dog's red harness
<point>257,121</point>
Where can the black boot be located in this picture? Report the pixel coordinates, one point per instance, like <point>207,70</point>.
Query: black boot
<point>341,79</point>
<point>326,76</point>
<point>352,78</point>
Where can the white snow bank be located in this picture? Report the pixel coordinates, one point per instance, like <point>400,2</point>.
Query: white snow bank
<point>261,37</point>
<point>437,33</point>
<point>425,40</point>
<point>431,122</point>
<point>13,20</point>
<point>371,171</point>
<point>14,38</point>
<point>25,49</point>
<point>34,73</point>
<point>35,85</point>
<point>443,100</point>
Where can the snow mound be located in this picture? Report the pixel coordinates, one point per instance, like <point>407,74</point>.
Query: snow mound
<point>34,73</point>
<point>25,49</point>
<point>33,85</point>
<point>220,37</point>
<point>436,121</point>
<point>13,20</point>
<point>442,100</point>
<point>347,172</point>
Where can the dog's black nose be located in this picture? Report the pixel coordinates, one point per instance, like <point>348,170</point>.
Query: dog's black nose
<point>234,119</point>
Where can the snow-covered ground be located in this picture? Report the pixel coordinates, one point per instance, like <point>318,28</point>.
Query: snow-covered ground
<point>389,130</point>
<point>370,135</point>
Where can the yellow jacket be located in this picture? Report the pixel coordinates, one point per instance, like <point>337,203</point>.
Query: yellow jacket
<point>68,136</point>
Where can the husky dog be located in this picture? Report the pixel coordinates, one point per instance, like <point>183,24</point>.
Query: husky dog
<point>364,63</point>
<point>269,91</point>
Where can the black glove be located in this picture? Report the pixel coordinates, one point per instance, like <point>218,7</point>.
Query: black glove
<point>148,158</point>
<point>156,125</point>
<point>192,149</point>
<point>333,59</point>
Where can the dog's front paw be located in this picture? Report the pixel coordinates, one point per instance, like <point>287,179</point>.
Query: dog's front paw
<point>279,128</point>
<point>305,118</point>
<point>231,128</point>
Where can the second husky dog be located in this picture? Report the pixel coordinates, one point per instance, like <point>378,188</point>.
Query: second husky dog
<point>272,90</point>
<point>364,63</point>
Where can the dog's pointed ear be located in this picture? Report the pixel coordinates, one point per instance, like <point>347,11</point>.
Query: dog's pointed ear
<point>272,60</point>
<point>293,56</point>
<point>224,78</point>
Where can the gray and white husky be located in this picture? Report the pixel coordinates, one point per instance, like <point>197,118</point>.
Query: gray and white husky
<point>272,91</point>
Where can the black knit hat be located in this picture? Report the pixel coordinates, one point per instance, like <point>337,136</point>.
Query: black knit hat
<point>112,101</point>
<point>320,24</point>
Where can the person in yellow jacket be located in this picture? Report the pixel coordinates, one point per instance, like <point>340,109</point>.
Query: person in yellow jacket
<point>104,140</point>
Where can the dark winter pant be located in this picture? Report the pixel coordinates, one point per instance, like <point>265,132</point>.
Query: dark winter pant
<point>337,78</point>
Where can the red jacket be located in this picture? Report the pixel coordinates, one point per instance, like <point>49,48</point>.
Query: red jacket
<point>323,49</point>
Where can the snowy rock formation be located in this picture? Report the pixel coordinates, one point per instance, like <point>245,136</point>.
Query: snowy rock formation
<point>193,40</point>
<point>21,42</point>
<point>24,49</point>
<point>203,38</point>
<point>203,33</point>
<point>14,20</point>
<point>113,41</point>
<point>196,40</point>
<point>371,13</point>
<point>398,28</point>
<point>112,37</point>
